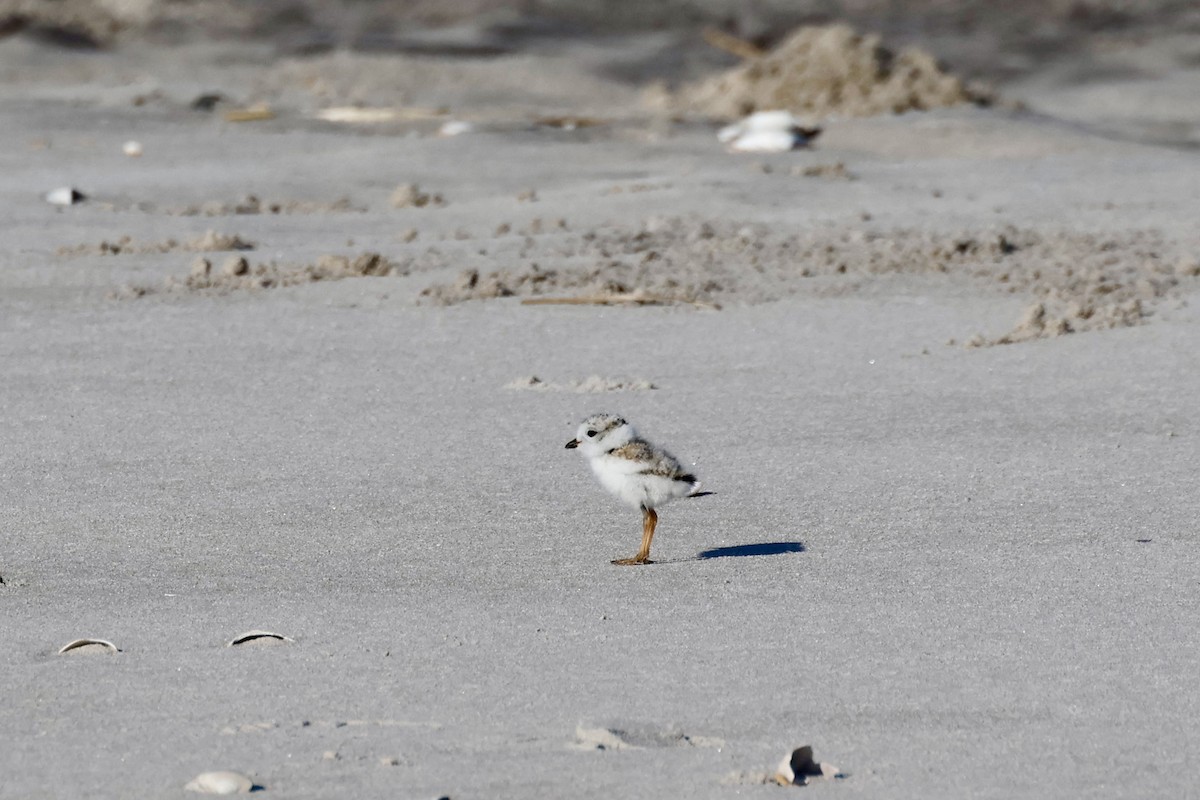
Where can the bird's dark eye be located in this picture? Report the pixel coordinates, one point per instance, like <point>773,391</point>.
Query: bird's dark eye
<point>591,434</point>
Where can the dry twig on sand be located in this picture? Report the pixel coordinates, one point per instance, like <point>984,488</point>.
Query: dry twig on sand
<point>731,44</point>
<point>626,299</point>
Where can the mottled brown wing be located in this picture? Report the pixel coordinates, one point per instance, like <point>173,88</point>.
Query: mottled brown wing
<point>658,462</point>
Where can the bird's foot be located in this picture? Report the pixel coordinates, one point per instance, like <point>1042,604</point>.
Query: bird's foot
<point>631,562</point>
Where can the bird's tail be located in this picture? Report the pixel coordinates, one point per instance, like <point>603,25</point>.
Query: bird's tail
<point>695,492</point>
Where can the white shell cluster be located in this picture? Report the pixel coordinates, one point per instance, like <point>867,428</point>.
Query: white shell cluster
<point>766,132</point>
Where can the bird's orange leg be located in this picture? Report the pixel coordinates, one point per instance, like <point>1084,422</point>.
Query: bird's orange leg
<point>649,520</point>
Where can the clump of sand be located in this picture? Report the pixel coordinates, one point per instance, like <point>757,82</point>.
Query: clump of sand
<point>101,23</point>
<point>84,20</point>
<point>208,242</point>
<point>251,204</point>
<point>593,384</point>
<point>830,70</point>
<point>1075,281</point>
<point>409,195</point>
<point>613,279</point>
<point>237,274</point>
<point>833,172</point>
<point>637,737</point>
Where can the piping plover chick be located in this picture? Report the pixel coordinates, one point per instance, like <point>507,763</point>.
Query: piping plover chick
<point>639,473</point>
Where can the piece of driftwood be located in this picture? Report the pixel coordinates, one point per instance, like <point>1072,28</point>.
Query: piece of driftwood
<point>252,114</point>
<point>731,44</point>
<point>625,299</point>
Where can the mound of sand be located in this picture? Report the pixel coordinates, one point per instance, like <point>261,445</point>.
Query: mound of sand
<point>830,70</point>
<point>88,21</point>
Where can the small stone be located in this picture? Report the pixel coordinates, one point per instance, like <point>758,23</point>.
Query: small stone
<point>389,761</point>
<point>1187,267</point>
<point>409,195</point>
<point>207,101</point>
<point>201,268</point>
<point>132,149</point>
<point>527,196</point>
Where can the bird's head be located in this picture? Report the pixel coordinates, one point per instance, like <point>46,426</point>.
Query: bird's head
<point>600,433</point>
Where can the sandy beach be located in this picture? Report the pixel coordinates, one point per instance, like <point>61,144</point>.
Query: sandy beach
<point>940,369</point>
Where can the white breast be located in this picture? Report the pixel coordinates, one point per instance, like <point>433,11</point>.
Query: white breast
<point>622,478</point>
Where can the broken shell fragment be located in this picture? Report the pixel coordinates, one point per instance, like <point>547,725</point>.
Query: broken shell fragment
<point>89,646</point>
<point>65,196</point>
<point>455,127</point>
<point>223,782</point>
<point>798,768</point>
<point>259,637</point>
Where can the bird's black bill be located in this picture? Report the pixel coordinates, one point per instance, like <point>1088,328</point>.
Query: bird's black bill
<point>571,445</point>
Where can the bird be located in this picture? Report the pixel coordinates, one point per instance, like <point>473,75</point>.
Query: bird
<point>639,473</point>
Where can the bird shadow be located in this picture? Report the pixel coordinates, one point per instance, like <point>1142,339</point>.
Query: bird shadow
<point>743,551</point>
<point>757,549</point>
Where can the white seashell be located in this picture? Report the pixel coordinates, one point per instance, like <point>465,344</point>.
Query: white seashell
<point>759,121</point>
<point>768,141</point>
<point>766,132</point>
<point>89,646</point>
<point>355,114</point>
<point>798,768</point>
<point>65,196</point>
<point>259,637</point>
<point>132,149</point>
<point>455,127</point>
<point>223,782</point>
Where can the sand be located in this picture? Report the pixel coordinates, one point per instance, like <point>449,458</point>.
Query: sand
<point>830,70</point>
<point>947,408</point>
